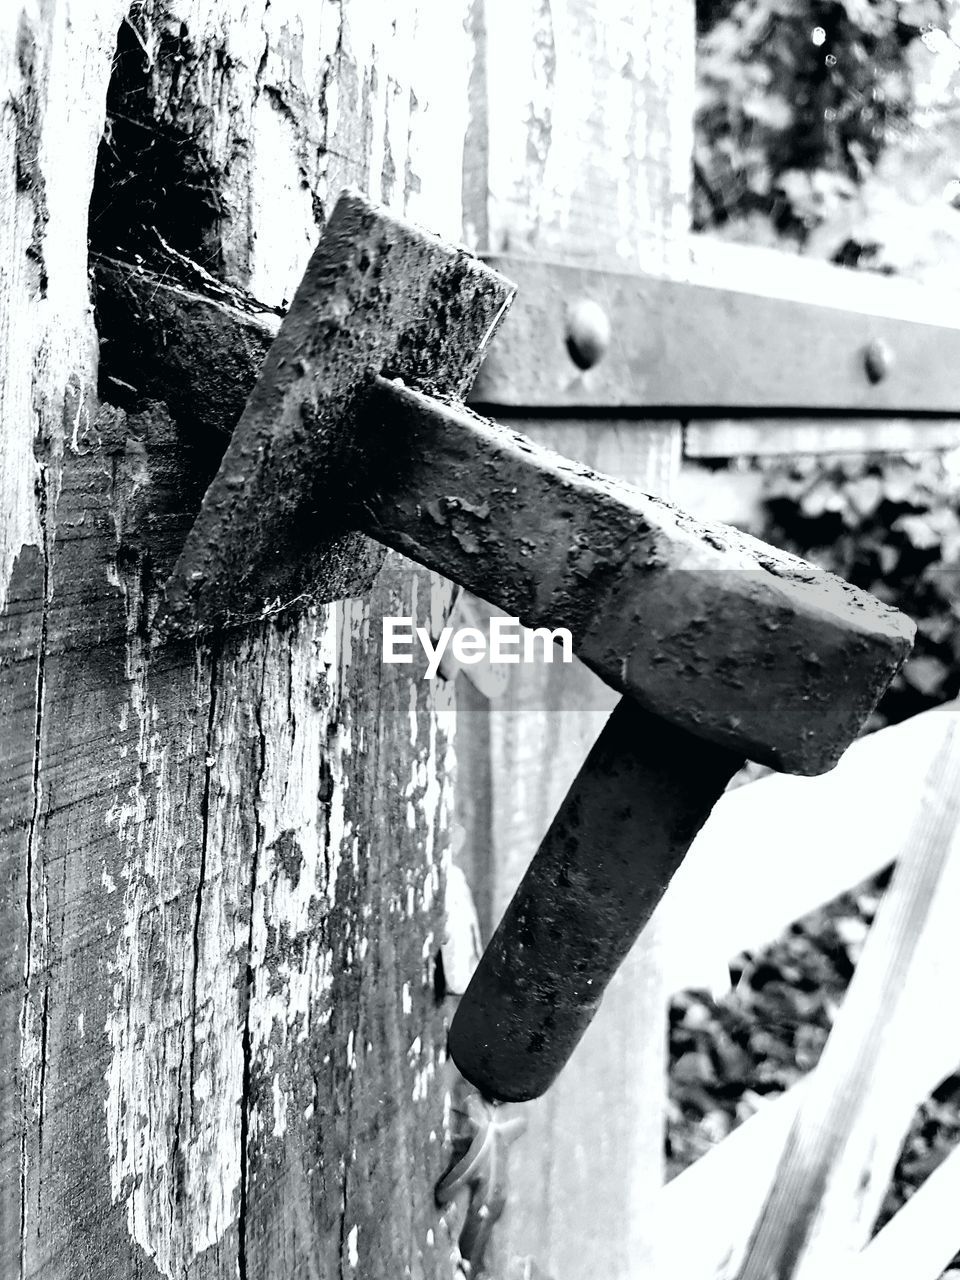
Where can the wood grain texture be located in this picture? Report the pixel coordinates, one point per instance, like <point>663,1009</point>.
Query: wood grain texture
<point>833,832</point>
<point>222,864</point>
<point>584,113</point>
<point>580,132</point>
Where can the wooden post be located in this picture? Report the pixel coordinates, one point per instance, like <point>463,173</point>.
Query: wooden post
<point>222,864</point>
<point>578,148</point>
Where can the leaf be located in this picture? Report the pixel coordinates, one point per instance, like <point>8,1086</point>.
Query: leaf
<point>770,110</point>
<point>926,674</point>
<point>919,13</point>
<point>950,550</point>
<point>821,497</point>
<point>889,558</point>
<point>865,15</point>
<point>865,495</point>
<point>693,1068</point>
<point>899,482</point>
<point>919,532</point>
<point>937,628</point>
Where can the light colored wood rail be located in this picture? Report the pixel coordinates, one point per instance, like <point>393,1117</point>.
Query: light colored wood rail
<point>851,1119</point>
<point>797,843</point>
<point>926,1048</point>
<point>920,1240</point>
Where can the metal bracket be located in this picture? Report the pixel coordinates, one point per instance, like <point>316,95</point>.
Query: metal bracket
<point>586,339</point>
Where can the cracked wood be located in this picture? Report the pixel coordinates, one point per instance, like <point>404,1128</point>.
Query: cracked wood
<point>217,1014</point>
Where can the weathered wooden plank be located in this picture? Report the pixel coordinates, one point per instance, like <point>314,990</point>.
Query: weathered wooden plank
<point>922,1048</point>
<point>684,345</point>
<point>45,375</point>
<point>21,628</point>
<point>222,866</point>
<point>580,143</point>
<point>832,832</point>
<point>773,274</point>
<point>745,1159</point>
<point>848,1128</point>
<point>583,151</point>
<point>786,437</point>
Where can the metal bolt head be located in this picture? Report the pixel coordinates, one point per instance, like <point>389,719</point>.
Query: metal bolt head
<point>877,360</point>
<point>588,333</point>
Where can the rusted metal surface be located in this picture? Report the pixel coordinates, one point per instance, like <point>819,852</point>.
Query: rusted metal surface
<point>730,640</point>
<point>379,295</point>
<point>744,650</point>
<point>624,828</point>
<point>679,345</point>
<point>703,625</point>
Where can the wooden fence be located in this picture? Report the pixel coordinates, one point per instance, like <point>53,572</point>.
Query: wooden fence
<point>795,1191</point>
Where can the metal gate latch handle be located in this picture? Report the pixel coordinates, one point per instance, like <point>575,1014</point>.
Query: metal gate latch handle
<point>723,646</point>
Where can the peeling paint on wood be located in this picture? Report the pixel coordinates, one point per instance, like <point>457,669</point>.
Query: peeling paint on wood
<point>582,158</point>
<point>218,999</point>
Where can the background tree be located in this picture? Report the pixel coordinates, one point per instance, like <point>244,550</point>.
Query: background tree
<point>798,101</point>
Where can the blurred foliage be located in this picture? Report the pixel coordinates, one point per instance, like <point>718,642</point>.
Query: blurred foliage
<point>890,525</point>
<point>832,129</point>
<point>796,101</point>
<point>728,1054</point>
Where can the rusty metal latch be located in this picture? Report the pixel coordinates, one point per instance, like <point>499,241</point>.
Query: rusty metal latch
<point>724,647</point>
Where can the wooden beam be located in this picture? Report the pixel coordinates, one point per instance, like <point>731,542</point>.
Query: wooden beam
<point>222,866</point>
<point>832,832</point>
<point>581,135</point>
<point>787,437</point>
<point>931,1046</point>
<point>843,1141</point>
